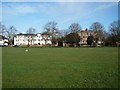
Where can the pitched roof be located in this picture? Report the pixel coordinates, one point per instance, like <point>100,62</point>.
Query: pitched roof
<point>26,34</point>
<point>86,31</point>
<point>46,33</point>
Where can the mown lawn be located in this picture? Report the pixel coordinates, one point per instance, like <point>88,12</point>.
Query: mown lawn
<point>60,68</point>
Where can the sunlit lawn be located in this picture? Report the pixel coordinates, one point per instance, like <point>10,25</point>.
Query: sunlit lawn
<point>60,67</point>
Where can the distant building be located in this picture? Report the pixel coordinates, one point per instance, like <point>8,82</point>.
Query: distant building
<point>46,36</point>
<point>84,35</point>
<point>3,41</point>
<point>32,39</point>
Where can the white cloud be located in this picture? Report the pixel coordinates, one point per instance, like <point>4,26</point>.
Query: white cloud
<point>105,6</point>
<point>17,9</point>
<point>61,11</point>
<point>25,9</point>
<point>84,13</point>
<point>100,9</point>
<point>65,8</point>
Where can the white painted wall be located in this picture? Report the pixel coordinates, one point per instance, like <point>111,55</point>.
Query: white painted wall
<point>36,40</point>
<point>4,42</point>
<point>1,42</point>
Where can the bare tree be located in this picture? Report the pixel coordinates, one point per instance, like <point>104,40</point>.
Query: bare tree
<point>114,32</point>
<point>98,28</point>
<point>8,32</point>
<point>11,32</point>
<point>31,30</point>
<point>52,30</point>
<point>2,29</point>
<point>51,27</point>
<point>31,33</point>
<point>75,28</point>
<point>114,28</point>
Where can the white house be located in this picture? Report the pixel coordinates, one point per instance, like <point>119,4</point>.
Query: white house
<point>32,39</point>
<point>3,41</point>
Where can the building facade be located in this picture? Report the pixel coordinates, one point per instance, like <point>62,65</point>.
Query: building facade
<point>84,35</point>
<point>32,39</point>
<point>3,41</point>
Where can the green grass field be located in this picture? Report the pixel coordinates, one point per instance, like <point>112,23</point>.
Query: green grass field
<point>60,68</point>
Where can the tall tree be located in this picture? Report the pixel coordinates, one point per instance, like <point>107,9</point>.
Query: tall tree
<point>98,28</point>
<point>3,29</point>
<point>90,40</point>
<point>11,32</point>
<point>51,27</point>
<point>72,39</point>
<point>52,30</point>
<point>75,28</point>
<point>114,32</point>
<point>31,30</point>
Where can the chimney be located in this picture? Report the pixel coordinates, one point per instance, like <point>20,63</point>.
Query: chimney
<point>86,29</point>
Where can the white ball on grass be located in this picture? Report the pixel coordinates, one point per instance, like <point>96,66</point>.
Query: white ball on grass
<point>26,50</point>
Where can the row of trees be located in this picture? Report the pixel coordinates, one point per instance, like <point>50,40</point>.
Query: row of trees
<point>70,35</point>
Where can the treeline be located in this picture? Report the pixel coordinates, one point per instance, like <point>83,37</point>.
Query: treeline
<point>70,35</point>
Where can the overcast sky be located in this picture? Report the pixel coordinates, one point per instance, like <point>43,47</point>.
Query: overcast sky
<point>36,14</point>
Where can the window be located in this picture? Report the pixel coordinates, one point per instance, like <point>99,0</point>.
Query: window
<point>83,36</point>
<point>34,39</point>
